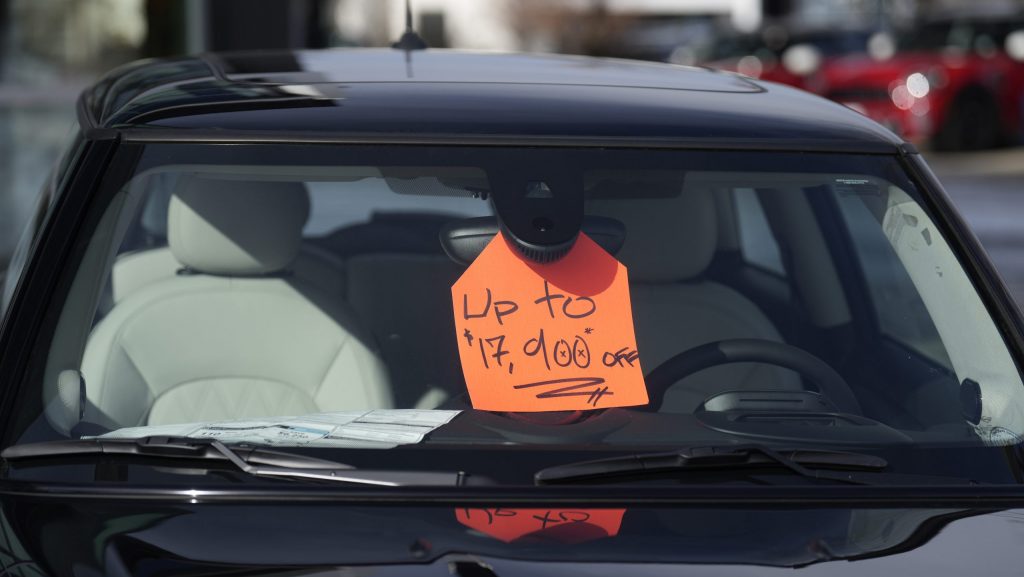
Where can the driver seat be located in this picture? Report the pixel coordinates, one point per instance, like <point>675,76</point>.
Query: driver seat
<point>670,242</point>
<point>234,334</point>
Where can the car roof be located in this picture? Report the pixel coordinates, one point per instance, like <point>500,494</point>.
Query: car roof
<point>389,94</point>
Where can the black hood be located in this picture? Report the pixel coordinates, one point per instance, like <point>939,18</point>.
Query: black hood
<point>126,537</point>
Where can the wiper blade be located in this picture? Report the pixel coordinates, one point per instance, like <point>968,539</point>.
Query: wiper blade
<point>251,460</point>
<point>738,457</point>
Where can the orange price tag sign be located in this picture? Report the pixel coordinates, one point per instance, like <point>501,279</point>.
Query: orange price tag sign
<point>547,337</point>
<point>557,525</point>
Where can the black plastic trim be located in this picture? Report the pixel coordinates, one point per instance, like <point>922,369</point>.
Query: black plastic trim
<point>221,136</point>
<point>908,148</point>
<point>100,133</point>
<point>1001,496</point>
<point>86,119</point>
<point>45,275</point>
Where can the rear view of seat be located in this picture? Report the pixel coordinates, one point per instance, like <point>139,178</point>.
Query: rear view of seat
<point>235,335</point>
<point>136,270</point>
<point>670,241</point>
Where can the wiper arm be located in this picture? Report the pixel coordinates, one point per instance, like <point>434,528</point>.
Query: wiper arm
<point>251,460</point>
<point>714,459</point>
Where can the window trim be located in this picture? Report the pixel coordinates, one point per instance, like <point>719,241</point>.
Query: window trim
<point>783,272</point>
<point>31,312</point>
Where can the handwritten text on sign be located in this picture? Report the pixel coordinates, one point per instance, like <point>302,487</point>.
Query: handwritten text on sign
<point>558,525</point>
<point>547,337</point>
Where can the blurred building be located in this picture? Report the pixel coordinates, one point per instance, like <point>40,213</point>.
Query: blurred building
<point>536,25</point>
<point>49,50</point>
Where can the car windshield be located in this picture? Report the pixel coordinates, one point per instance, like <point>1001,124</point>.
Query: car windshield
<point>302,296</point>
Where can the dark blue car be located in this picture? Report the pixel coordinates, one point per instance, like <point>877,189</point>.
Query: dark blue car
<point>230,343</point>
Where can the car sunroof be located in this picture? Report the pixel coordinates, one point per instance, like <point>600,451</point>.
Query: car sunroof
<point>374,65</point>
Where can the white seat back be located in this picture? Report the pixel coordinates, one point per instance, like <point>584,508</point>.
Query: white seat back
<point>138,269</point>
<point>235,335</point>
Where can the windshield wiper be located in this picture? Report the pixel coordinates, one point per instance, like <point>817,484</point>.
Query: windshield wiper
<point>248,459</point>
<point>732,457</point>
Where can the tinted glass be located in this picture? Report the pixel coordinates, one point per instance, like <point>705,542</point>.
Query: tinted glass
<point>233,288</point>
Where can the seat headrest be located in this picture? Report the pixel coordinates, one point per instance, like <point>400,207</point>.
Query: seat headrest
<point>234,227</point>
<point>668,239</point>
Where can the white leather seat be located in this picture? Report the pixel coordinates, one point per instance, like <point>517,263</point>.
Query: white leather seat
<point>136,270</point>
<point>669,244</point>
<point>237,336</point>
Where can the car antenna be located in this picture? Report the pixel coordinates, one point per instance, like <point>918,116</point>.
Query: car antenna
<point>410,40</point>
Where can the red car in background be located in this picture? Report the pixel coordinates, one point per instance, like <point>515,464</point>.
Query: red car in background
<point>777,55</point>
<point>953,84</point>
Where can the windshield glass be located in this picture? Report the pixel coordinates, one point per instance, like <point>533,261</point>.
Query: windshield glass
<point>301,295</point>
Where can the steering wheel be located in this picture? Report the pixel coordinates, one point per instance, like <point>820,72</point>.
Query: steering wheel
<point>830,383</point>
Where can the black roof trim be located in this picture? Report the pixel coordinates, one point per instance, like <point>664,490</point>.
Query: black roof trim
<point>909,148</point>
<point>97,101</point>
<point>226,106</point>
<point>84,112</point>
<point>215,136</point>
<point>366,95</point>
<point>212,61</point>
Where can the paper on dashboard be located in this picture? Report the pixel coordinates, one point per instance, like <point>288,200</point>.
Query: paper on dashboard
<point>410,417</point>
<point>380,428</point>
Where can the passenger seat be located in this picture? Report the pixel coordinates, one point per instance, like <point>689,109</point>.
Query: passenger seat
<point>136,270</point>
<point>233,335</point>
